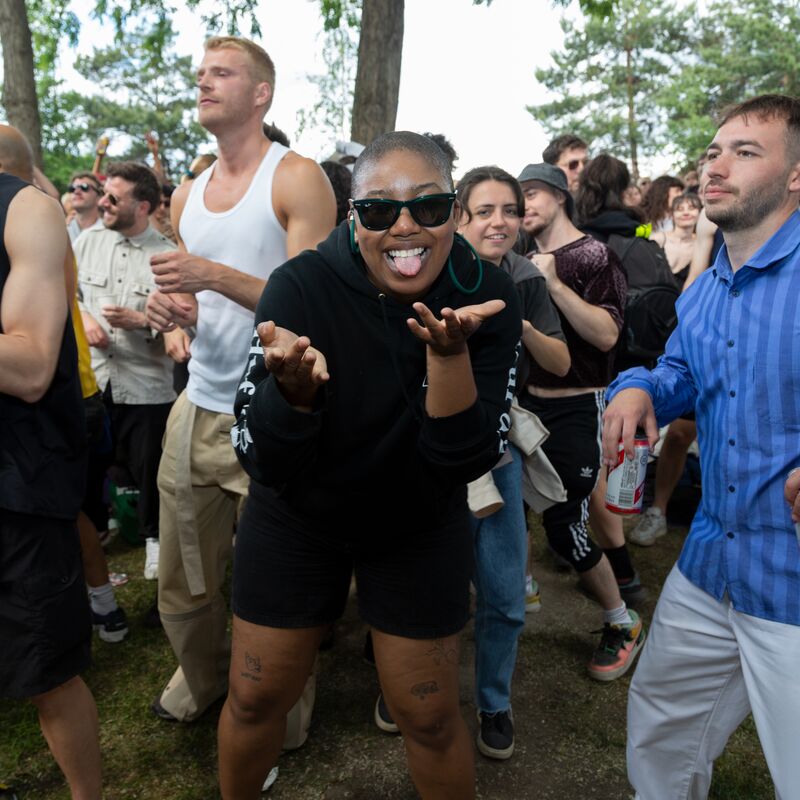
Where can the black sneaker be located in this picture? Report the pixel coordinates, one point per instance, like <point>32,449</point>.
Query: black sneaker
<point>383,719</point>
<point>112,627</point>
<point>496,734</point>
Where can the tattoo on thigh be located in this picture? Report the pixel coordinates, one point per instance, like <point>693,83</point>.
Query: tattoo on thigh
<point>250,676</point>
<point>441,654</point>
<point>252,663</point>
<point>422,690</point>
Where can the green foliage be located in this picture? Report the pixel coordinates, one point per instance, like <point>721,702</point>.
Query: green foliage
<point>143,86</point>
<point>336,85</point>
<point>611,74</point>
<point>743,50</point>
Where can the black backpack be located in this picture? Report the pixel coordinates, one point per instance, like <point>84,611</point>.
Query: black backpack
<point>650,304</point>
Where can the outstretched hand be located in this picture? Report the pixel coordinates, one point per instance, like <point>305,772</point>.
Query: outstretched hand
<point>299,368</point>
<point>448,336</point>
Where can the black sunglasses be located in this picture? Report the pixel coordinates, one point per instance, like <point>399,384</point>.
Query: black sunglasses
<point>575,163</point>
<point>111,199</point>
<point>430,211</point>
<point>84,187</point>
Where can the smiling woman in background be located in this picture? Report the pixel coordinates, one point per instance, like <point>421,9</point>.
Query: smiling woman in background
<point>492,206</point>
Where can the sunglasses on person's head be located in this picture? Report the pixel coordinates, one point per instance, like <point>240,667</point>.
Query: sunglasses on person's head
<point>430,211</point>
<point>84,187</point>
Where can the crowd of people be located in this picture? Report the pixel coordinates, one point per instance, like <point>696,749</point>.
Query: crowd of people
<point>361,368</point>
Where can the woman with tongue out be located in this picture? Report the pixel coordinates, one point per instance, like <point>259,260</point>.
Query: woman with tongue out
<point>492,206</point>
<point>378,384</point>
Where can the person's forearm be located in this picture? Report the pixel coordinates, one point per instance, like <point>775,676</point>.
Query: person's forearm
<point>24,374</point>
<point>551,354</point>
<point>244,289</point>
<point>592,323</point>
<point>451,385</point>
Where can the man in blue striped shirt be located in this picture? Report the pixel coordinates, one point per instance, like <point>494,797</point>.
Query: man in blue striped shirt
<point>725,638</point>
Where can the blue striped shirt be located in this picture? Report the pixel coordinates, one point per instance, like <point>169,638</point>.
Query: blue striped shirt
<point>735,359</point>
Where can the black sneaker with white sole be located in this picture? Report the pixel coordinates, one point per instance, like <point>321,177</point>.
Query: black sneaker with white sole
<point>383,719</point>
<point>496,734</point>
<point>112,627</point>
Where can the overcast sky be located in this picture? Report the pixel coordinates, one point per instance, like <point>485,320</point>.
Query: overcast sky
<point>467,71</point>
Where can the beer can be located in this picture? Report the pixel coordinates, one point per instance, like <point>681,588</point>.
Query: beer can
<point>625,488</point>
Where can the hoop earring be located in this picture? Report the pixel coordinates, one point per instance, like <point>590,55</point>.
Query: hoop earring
<point>355,249</point>
<point>453,272</point>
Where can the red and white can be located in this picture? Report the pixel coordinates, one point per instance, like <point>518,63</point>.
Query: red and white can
<point>626,480</point>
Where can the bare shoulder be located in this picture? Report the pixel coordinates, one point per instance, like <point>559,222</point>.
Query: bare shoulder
<point>301,192</point>
<point>296,172</point>
<point>659,237</point>
<point>33,213</point>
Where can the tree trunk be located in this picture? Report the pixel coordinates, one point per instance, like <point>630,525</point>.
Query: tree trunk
<point>19,86</point>
<point>380,51</point>
<point>632,133</point>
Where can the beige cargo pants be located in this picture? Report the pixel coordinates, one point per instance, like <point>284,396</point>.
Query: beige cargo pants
<point>202,488</point>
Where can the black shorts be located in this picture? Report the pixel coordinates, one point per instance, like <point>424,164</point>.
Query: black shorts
<point>45,622</point>
<point>290,572</point>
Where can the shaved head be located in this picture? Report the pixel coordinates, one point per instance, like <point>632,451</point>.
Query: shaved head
<point>16,156</point>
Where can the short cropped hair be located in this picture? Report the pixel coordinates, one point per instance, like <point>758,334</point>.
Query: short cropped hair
<point>401,140</point>
<point>567,141</point>
<point>771,106</point>
<point>480,174</point>
<point>262,68</point>
<point>146,186</point>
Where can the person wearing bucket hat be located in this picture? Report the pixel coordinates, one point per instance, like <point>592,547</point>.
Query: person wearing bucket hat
<point>554,177</point>
<point>588,287</point>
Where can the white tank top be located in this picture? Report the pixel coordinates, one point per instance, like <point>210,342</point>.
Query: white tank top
<point>249,238</point>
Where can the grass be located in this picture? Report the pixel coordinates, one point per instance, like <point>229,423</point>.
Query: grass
<point>570,730</point>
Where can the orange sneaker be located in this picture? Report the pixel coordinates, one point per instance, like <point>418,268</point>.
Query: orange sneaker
<point>619,645</point>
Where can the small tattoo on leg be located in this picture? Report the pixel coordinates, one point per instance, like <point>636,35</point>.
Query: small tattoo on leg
<point>422,690</point>
<point>441,654</point>
<point>250,676</point>
<point>253,663</point>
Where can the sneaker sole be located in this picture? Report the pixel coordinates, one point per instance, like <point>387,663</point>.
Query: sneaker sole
<point>533,608</point>
<point>649,541</point>
<point>385,726</point>
<point>491,752</point>
<point>113,637</point>
<point>611,675</point>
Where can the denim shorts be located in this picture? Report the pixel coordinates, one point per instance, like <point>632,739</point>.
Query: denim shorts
<point>45,622</point>
<point>292,572</point>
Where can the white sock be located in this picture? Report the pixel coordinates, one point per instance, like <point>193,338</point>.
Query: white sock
<point>102,599</point>
<point>617,616</point>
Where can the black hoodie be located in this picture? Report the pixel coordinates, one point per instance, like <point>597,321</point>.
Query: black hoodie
<point>604,224</point>
<point>369,447</point>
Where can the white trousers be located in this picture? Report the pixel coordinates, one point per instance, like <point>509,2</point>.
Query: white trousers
<point>704,667</point>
